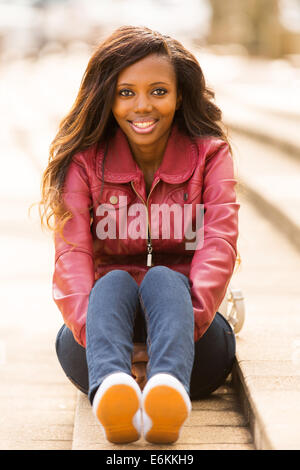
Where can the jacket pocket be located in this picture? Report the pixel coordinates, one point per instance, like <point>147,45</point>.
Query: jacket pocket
<point>185,195</point>
<point>189,203</point>
<point>113,197</point>
<point>113,217</point>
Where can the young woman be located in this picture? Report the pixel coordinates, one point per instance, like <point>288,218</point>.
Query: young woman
<point>140,183</point>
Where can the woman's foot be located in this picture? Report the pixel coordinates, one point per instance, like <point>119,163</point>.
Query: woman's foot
<point>117,405</point>
<point>166,406</point>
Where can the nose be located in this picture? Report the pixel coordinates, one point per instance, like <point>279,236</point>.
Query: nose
<point>143,104</point>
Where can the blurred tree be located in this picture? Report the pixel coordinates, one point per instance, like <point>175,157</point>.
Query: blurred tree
<point>254,24</point>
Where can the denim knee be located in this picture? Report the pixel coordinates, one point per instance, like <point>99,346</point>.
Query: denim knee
<point>168,309</point>
<point>114,275</point>
<point>163,272</point>
<point>112,278</point>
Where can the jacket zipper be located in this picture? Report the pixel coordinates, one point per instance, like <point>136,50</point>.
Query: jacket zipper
<point>149,250</point>
<point>149,242</point>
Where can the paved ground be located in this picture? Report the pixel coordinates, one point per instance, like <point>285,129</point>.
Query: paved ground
<point>36,403</point>
<point>39,409</point>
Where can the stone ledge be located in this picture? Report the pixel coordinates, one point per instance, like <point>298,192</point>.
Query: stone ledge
<point>266,401</point>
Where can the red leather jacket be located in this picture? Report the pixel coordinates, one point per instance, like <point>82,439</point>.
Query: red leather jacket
<point>193,171</point>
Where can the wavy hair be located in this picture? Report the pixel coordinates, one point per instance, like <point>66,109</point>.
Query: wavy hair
<point>90,121</point>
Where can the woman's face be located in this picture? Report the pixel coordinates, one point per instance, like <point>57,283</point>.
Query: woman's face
<point>146,99</point>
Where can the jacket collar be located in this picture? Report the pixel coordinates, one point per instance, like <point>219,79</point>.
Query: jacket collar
<point>177,166</point>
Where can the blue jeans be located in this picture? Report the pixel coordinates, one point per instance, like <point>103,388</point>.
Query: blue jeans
<point>163,300</point>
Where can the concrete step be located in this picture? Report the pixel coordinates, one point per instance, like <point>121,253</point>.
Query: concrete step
<point>267,371</point>
<point>258,97</point>
<point>216,423</point>
<point>261,123</point>
<point>266,146</point>
<point>260,104</point>
<point>270,179</point>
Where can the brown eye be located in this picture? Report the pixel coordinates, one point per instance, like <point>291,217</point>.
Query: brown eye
<point>125,92</point>
<point>159,91</point>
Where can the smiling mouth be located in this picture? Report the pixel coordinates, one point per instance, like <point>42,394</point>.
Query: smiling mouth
<point>143,127</point>
<point>143,124</point>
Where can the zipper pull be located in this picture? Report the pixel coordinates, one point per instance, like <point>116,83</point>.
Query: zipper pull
<point>149,255</point>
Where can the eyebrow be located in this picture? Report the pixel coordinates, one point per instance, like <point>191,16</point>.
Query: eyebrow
<point>151,84</point>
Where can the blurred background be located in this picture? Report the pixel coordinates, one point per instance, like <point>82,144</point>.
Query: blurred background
<point>268,28</point>
<point>249,51</point>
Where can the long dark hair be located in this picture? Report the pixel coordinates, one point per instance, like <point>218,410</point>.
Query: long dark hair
<point>91,122</point>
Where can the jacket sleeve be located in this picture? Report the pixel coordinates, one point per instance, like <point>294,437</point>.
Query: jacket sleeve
<point>74,275</point>
<point>214,260</point>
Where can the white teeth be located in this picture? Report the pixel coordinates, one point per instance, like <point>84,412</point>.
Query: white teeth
<point>143,124</point>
